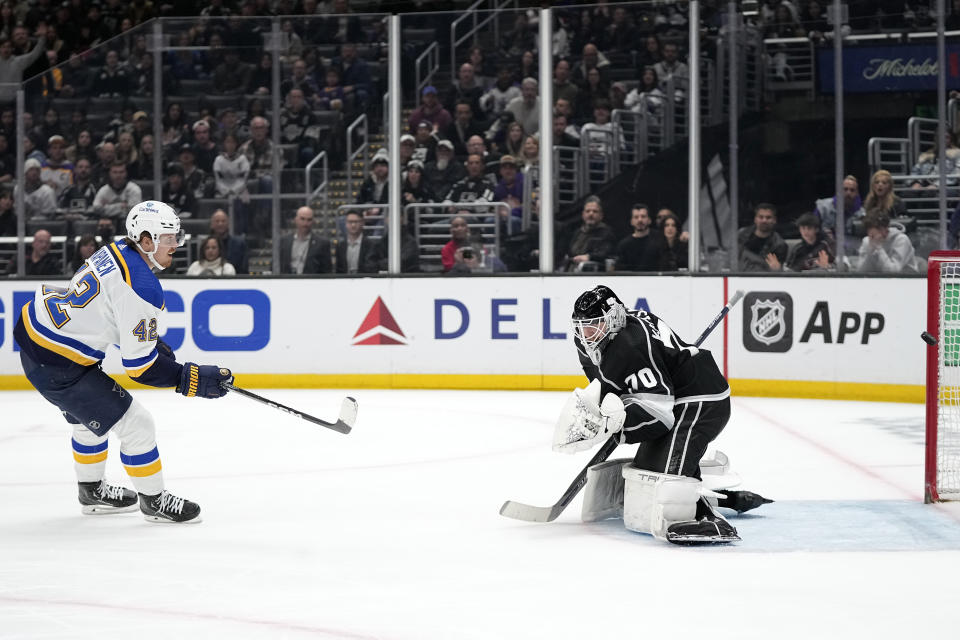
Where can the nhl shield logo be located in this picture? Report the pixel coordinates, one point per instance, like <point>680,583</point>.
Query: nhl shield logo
<point>766,321</point>
<point>769,325</point>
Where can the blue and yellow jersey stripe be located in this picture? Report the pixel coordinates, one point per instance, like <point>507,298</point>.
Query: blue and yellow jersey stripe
<point>89,454</point>
<point>69,348</point>
<point>117,253</point>
<point>143,464</point>
<point>137,366</point>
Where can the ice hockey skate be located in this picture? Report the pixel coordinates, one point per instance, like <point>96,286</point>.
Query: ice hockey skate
<point>709,527</point>
<point>166,507</point>
<point>100,498</point>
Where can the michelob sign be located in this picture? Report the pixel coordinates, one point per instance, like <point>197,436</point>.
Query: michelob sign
<point>888,68</point>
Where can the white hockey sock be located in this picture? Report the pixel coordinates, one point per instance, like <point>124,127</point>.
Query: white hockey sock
<point>89,454</point>
<point>138,449</point>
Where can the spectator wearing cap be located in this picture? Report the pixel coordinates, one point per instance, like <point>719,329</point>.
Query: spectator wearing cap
<point>79,196</point>
<point>415,188</point>
<point>509,189</point>
<point>298,126</point>
<point>374,189</point>
<point>113,81</point>
<point>57,171</point>
<point>426,142</point>
<point>430,110</point>
<point>232,75</point>
<point>495,101</point>
<point>176,193</point>
<point>40,262</point>
<point>464,89</point>
<point>526,108</point>
<point>12,65</point>
<point>407,146</point>
<point>115,199</point>
<point>462,128</point>
<point>441,174</point>
<point>814,252</point>
<point>194,177</point>
<point>204,148</point>
<point>39,199</point>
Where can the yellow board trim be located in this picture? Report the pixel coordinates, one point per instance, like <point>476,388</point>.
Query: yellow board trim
<point>60,349</point>
<point>739,386</point>
<point>145,470</point>
<point>90,458</point>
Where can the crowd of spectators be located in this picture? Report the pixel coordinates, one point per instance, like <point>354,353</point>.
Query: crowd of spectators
<point>470,142</point>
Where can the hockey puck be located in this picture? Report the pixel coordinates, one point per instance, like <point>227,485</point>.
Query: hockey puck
<point>929,339</point>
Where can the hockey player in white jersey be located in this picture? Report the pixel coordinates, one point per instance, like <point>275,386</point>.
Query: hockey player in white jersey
<point>114,299</point>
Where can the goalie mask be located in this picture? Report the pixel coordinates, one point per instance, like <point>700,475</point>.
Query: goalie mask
<point>598,315</point>
<point>160,221</point>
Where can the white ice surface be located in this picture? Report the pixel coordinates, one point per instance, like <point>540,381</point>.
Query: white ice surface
<point>393,531</point>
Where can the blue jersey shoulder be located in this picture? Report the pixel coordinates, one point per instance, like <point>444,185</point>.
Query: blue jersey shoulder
<point>140,277</point>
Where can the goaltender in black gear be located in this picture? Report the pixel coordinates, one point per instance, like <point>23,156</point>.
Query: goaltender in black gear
<point>675,401</point>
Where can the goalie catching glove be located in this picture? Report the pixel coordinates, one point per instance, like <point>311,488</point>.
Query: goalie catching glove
<point>585,421</point>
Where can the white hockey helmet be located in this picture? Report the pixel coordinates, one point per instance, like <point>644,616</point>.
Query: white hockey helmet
<point>160,221</point>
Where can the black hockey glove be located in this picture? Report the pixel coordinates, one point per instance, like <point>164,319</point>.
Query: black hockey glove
<point>165,349</point>
<point>203,381</point>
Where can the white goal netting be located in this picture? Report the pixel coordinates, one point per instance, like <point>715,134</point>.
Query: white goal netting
<point>948,384</point>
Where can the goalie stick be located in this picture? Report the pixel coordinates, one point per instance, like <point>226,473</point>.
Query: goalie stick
<point>344,423</point>
<point>520,511</point>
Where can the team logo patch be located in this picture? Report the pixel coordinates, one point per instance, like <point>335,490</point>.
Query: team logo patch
<point>768,321</point>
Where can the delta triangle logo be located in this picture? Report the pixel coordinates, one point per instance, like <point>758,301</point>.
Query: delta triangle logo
<point>379,327</point>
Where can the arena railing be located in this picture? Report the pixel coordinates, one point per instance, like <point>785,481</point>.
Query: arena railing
<point>432,227</point>
<point>477,15</point>
<point>425,68</point>
<point>359,153</point>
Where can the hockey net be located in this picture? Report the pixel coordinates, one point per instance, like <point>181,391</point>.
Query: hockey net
<point>942,481</point>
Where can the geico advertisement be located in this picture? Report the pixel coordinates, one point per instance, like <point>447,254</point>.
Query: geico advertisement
<point>518,325</point>
<point>829,329</point>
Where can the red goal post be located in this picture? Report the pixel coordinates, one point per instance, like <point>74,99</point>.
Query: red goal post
<point>942,463</point>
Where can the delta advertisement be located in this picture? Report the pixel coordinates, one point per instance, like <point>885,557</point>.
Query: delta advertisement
<point>788,336</point>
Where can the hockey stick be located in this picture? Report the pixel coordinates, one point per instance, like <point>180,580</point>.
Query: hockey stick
<point>344,423</point>
<point>520,511</point>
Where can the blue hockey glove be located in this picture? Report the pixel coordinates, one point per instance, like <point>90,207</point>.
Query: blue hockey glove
<point>203,381</point>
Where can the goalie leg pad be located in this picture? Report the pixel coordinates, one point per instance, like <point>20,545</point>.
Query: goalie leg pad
<point>652,501</point>
<point>603,495</point>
